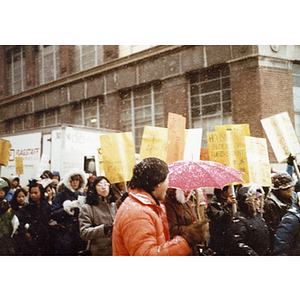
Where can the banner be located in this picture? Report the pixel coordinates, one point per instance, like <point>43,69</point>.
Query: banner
<point>118,156</point>
<point>19,165</point>
<point>154,143</point>
<point>243,127</point>
<point>176,138</point>
<point>192,148</point>
<point>4,152</point>
<point>281,135</point>
<point>228,148</point>
<point>258,161</point>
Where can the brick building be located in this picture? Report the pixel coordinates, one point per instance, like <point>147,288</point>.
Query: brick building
<point>127,87</point>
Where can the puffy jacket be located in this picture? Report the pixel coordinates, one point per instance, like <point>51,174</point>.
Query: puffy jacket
<point>141,228</point>
<point>92,219</point>
<point>287,236</point>
<point>248,235</point>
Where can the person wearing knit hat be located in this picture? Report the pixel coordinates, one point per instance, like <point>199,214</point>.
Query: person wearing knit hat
<point>278,201</point>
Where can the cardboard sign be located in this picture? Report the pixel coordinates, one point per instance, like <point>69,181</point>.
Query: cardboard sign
<point>281,135</point>
<point>4,152</point>
<point>19,165</point>
<point>192,148</point>
<point>258,161</point>
<point>154,143</point>
<point>118,156</point>
<point>176,138</point>
<point>243,127</point>
<point>228,148</point>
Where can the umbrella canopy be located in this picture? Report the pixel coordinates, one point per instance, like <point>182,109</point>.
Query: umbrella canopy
<point>190,175</point>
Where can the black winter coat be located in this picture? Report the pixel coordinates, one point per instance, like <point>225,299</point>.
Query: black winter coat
<point>287,236</point>
<point>38,217</point>
<point>219,213</point>
<point>248,235</point>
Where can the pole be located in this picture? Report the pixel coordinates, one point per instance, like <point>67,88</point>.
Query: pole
<point>233,205</point>
<point>296,169</point>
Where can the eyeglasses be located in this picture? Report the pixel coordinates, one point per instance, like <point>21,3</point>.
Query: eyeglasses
<point>103,184</point>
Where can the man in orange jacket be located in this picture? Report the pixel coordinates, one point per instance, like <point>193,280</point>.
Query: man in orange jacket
<point>141,226</point>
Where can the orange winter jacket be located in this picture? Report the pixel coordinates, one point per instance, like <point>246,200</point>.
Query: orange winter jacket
<point>141,228</point>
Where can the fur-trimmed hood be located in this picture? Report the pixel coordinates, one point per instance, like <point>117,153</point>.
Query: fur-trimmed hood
<point>246,196</point>
<point>72,172</point>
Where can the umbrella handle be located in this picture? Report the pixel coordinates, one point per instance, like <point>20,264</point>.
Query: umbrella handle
<point>233,205</point>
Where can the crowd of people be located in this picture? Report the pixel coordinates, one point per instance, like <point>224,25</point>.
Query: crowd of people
<point>87,215</point>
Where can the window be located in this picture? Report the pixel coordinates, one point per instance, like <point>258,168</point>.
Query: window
<point>15,59</point>
<point>125,50</point>
<point>90,113</point>
<point>296,95</point>
<point>141,107</point>
<point>15,125</point>
<point>47,64</point>
<point>87,56</point>
<point>47,118</point>
<point>210,99</point>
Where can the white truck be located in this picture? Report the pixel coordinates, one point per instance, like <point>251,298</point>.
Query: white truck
<point>58,148</point>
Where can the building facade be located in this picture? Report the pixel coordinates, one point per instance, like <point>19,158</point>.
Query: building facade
<point>128,87</point>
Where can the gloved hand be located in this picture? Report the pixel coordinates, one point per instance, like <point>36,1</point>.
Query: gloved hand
<point>108,229</point>
<point>69,206</point>
<point>196,233</point>
<point>290,160</point>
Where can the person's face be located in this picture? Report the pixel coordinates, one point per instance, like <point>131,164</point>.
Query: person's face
<point>287,193</point>
<point>2,193</point>
<point>15,183</point>
<point>75,184</point>
<point>35,194</point>
<point>49,191</point>
<point>55,177</point>
<point>102,188</point>
<point>21,198</point>
<point>161,188</point>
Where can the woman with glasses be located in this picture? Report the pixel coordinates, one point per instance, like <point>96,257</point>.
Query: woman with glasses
<point>97,216</point>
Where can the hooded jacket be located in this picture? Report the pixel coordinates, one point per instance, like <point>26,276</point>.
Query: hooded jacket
<point>248,233</point>
<point>141,228</point>
<point>68,193</point>
<point>287,236</point>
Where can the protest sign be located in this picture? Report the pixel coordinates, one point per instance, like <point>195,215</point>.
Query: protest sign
<point>228,148</point>
<point>192,148</point>
<point>19,165</point>
<point>281,135</point>
<point>176,138</point>
<point>258,161</point>
<point>118,156</point>
<point>243,127</point>
<point>154,143</point>
<point>4,152</point>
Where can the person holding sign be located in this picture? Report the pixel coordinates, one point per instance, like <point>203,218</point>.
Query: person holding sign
<point>141,226</point>
<point>97,216</point>
<point>65,211</point>
<point>219,211</point>
<point>278,201</point>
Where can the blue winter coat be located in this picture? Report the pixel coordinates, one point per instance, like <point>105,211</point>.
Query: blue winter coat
<point>287,236</point>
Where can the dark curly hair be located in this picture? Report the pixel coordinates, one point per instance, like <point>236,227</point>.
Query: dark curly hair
<point>148,173</point>
<point>93,198</point>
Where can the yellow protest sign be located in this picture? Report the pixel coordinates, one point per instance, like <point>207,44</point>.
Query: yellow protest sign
<point>243,127</point>
<point>176,138</point>
<point>258,161</point>
<point>228,148</point>
<point>118,156</point>
<point>154,143</point>
<point>281,135</point>
<point>19,165</point>
<point>4,152</point>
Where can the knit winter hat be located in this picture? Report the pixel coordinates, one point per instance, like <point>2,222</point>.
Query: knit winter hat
<point>3,184</point>
<point>282,181</point>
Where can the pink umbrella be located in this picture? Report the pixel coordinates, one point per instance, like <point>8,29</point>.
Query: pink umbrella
<point>190,175</point>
